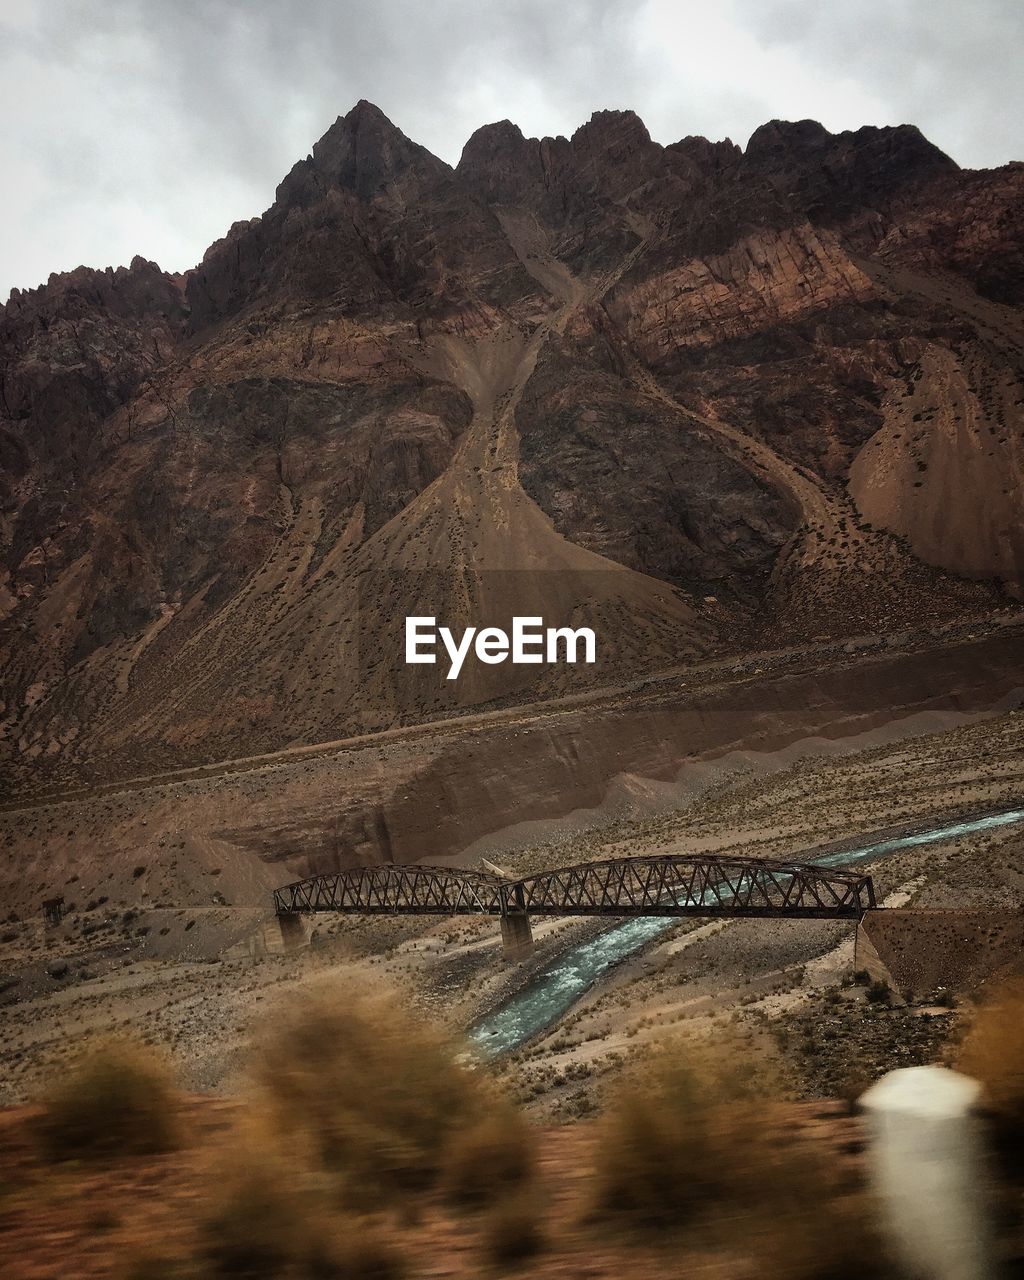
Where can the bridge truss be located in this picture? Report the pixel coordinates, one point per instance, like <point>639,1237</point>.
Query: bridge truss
<point>644,886</point>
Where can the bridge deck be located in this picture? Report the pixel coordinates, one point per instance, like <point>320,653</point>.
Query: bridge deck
<point>642,886</point>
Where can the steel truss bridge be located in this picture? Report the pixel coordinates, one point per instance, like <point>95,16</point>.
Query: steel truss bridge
<point>641,886</point>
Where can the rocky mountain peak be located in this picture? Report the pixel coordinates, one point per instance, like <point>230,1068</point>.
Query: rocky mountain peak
<point>550,174</point>
<point>139,289</point>
<point>497,160</point>
<point>708,156</point>
<point>787,137</point>
<point>612,131</point>
<point>831,173</point>
<point>491,140</point>
<point>360,153</point>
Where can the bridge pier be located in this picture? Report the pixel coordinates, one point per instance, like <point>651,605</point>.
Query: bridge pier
<point>293,930</point>
<point>516,935</point>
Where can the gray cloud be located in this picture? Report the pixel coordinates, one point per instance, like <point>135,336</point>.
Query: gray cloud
<point>140,126</point>
<point>954,69</point>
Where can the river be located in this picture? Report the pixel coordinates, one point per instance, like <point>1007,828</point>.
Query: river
<point>566,977</point>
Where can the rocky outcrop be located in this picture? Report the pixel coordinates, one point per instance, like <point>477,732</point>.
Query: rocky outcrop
<point>626,476</point>
<point>763,281</point>
<point>76,350</point>
<point>603,159</point>
<point>834,176</point>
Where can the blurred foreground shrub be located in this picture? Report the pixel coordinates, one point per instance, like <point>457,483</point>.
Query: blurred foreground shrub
<point>267,1222</point>
<point>382,1103</point>
<point>513,1228</point>
<point>993,1053</point>
<point>691,1139</point>
<point>255,1212</point>
<point>490,1160</point>
<point>675,1136</point>
<point>117,1100</point>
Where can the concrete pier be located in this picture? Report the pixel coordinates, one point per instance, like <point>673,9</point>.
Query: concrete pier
<point>516,935</point>
<point>293,931</point>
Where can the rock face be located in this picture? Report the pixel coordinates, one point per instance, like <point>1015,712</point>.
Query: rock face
<point>835,176</point>
<point>705,398</point>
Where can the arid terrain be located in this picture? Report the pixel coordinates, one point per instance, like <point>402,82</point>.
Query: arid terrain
<point>185,949</point>
<point>202,980</point>
<point>755,415</point>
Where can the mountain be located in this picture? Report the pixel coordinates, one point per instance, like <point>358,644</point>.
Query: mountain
<point>705,399</point>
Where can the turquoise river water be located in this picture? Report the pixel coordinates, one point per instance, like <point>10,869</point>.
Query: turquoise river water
<point>565,978</point>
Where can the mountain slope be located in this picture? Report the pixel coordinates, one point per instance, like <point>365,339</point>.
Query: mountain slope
<point>700,398</point>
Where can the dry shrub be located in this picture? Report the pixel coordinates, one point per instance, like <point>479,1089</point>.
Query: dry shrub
<point>357,1106</point>
<point>797,1222</point>
<point>854,1084</point>
<point>117,1100</point>
<point>350,1249</point>
<point>250,1224</point>
<point>491,1159</point>
<point>152,1264</point>
<point>270,1218</point>
<point>513,1230</point>
<point>993,1053</point>
<point>674,1138</point>
<point>255,1231</point>
<point>375,1094</point>
<point>821,1239</point>
<point>237,1243</point>
<point>693,1137</point>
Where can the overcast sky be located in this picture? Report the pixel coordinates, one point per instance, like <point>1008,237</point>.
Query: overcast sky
<point>149,126</point>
